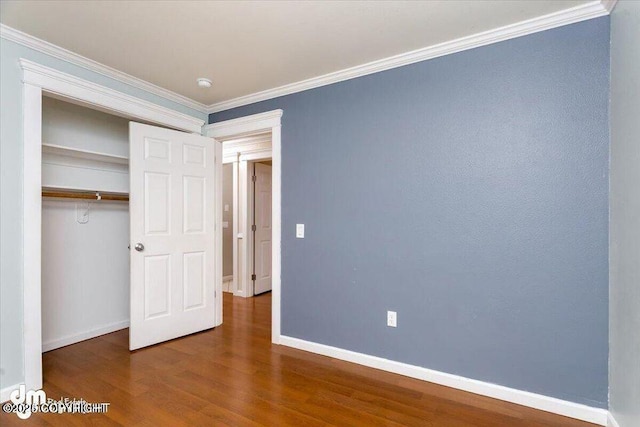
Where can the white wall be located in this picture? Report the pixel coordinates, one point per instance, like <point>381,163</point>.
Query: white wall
<point>68,124</point>
<point>85,266</point>
<point>624,281</point>
<point>85,271</point>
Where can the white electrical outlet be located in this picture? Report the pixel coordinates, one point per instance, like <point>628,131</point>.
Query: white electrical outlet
<point>300,231</point>
<point>392,319</point>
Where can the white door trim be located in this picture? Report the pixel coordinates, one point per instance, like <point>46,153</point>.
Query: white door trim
<point>38,79</point>
<point>112,101</point>
<point>236,227</point>
<point>243,258</point>
<point>260,123</point>
<point>32,235</point>
<point>255,147</point>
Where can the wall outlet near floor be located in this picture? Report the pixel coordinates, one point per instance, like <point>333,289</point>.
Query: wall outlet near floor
<point>392,319</point>
<point>300,231</point>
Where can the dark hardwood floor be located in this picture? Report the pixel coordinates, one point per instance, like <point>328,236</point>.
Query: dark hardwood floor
<point>233,376</point>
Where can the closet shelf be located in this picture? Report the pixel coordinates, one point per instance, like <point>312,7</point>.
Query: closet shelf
<point>84,154</point>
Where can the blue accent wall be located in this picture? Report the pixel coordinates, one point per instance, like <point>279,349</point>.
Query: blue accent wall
<point>469,193</point>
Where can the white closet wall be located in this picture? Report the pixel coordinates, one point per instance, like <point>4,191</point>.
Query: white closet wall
<point>85,266</point>
<point>83,128</point>
<point>85,271</point>
<point>83,149</point>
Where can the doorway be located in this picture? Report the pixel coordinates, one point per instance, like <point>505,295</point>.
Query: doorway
<point>258,240</point>
<point>247,214</point>
<point>232,133</point>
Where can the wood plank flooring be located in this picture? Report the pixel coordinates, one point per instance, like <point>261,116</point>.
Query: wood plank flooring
<point>233,376</point>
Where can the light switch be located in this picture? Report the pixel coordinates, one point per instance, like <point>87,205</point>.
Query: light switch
<point>300,231</point>
<point>225,224</point>
<point>226,208</point>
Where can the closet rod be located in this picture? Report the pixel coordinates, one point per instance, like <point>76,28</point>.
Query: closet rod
<point>86,195</point>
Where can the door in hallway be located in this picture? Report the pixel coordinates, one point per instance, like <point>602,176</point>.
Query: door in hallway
<point>262,221</point>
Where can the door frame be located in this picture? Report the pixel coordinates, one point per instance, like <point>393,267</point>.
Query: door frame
<point>242,153</point>
<point>269,121</point>
<point>38,80</point>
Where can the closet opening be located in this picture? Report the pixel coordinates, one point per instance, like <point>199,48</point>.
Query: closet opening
<point>85,223</point>
<point>108,260</point>
<point>60,156</point>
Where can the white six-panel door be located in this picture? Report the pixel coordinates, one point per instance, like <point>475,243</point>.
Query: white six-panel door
<point>173,202</point>
<point>262,241</point>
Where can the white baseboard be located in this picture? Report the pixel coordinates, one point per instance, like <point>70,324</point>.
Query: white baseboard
<point>532,400</point>
<point>227,283</point>
<point>72,339</point>
<point>611,422</point>
<point>5,393</point>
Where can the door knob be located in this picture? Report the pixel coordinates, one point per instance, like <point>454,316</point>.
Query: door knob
<point>139,247</point>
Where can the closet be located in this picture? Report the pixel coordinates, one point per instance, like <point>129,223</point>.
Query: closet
<point>85,223</point>
<point>102,171</point>
<point>91,283</point>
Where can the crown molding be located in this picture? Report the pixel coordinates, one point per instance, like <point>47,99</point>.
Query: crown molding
<point>609,5</point>
<point>50,49</point>
<point>593,9</point>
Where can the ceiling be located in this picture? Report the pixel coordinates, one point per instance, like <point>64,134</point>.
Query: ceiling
<point>251,46</point>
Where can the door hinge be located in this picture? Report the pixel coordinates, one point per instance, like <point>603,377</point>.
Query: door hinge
<point>254,178</point>
<point>253,277</point>
<point>253,227</point>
